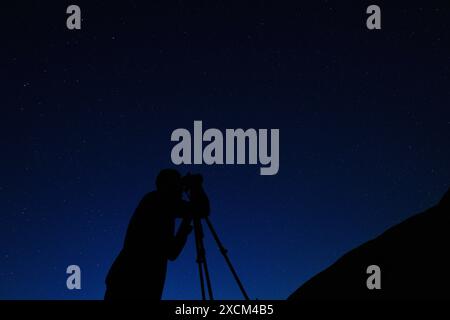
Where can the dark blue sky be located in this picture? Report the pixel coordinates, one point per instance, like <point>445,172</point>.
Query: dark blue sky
<point>86,120</point>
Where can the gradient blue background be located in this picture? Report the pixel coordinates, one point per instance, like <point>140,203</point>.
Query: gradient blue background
<point>86,118</point>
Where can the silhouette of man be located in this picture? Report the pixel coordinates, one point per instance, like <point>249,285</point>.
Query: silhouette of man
<point>139,271</point>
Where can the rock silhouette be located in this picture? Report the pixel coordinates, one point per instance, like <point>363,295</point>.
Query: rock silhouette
<point>413,257</point>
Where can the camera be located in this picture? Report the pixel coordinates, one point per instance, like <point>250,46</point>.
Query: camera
<point>190,181</point>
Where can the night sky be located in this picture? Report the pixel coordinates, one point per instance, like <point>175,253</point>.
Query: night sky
<point>86,119</point>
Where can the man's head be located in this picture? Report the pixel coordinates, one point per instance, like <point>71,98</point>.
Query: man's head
<point>169,183</point>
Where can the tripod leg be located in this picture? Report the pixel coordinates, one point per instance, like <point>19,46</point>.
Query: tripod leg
<point>201,254</point>
<point>208,280</point>
<point>227,259</point>
<point>199,261</point>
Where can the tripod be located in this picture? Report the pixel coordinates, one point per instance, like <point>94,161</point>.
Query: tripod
<point>201,259</point>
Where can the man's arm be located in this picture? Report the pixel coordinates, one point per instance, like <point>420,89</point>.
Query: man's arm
<point>197,206</point>
<point>177,243</point>
<point>199,202</point>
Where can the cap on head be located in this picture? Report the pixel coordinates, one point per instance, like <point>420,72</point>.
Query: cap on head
<point>169,181</point>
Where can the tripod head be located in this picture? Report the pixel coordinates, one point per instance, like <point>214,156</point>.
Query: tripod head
<point>191,181</point>
<point>193,189</point>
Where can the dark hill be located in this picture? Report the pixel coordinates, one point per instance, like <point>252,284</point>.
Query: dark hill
<point>413,257</point>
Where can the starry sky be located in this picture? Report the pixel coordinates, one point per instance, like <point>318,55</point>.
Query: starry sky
<point>86,119</point>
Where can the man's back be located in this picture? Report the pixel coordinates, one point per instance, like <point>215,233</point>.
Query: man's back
<point>140,269</point>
